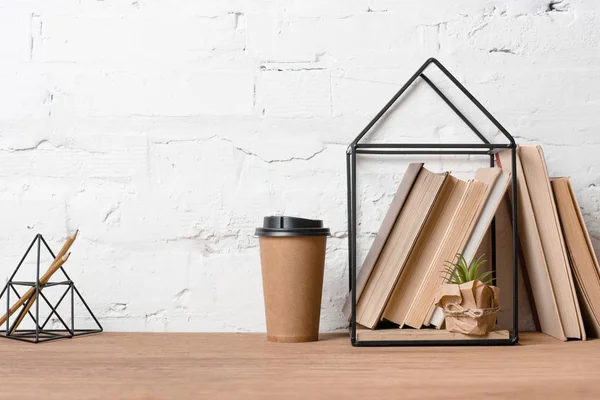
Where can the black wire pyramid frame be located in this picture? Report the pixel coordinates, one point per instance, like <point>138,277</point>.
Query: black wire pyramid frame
<point>484,148</point>
<point>40,333</point>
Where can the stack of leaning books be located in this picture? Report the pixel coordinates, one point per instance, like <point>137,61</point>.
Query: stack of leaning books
<point>434,216</point>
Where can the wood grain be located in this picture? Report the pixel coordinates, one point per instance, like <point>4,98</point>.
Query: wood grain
<point>423,334</point>
<point>246,366</point>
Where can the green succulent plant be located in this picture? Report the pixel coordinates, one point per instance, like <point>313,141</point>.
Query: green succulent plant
<point>461,272</point>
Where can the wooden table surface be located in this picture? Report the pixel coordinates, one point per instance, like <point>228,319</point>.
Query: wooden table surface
<point>245,366</point>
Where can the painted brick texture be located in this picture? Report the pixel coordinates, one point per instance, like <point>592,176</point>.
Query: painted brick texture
<point>166,130</point>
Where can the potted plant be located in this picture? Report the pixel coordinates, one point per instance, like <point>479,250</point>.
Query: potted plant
<point>469,302</point>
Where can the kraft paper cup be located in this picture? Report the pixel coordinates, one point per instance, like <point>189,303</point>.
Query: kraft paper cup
<point>292,252</point>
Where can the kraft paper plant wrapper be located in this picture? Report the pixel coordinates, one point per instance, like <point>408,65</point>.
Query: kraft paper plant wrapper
<point>470,308</point>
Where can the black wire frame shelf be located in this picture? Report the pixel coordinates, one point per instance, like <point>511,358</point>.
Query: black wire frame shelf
<point>485,148</point>
<point>40,333</point>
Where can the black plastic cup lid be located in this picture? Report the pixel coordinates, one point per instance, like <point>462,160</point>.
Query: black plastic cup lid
<point>291,226</point>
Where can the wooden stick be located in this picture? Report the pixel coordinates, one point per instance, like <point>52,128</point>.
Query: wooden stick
<point>55,267</point>
<point>44,279</point>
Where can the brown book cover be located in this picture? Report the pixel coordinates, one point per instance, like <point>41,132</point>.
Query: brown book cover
<point>581,254</point>
<point>546,217</point>
<point>384,231</point>
<point>454,241</point>
<point>535,260</point>
<point>398,246</point>
<point>504,275</point>
<point>429,241</point>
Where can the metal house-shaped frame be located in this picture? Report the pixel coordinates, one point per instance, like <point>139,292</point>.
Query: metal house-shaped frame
<point>484,148</point>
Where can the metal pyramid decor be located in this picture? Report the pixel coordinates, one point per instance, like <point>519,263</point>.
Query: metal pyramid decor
<point>27,299</point>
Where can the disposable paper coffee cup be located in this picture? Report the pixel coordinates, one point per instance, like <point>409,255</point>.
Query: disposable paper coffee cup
<point>292,253</point>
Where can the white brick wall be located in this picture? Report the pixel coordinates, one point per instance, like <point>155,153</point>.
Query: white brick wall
<point>165,130</point>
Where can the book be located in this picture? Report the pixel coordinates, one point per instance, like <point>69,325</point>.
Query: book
<point>415,291</point>
<point>499,181</point>
<point>553,244</point>
<point>455,239</point>
<point>382,235</point>
<point>398,246</point>
<point>584,263</point>
<point>424,252</point>
<point>528,320</point>
<point>535,260</point>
